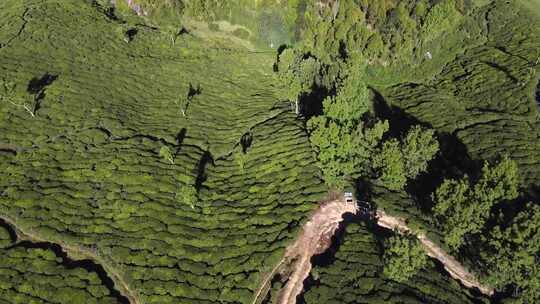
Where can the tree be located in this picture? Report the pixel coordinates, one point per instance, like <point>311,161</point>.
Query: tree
<point>165,152</point>
<point>343,142</point>
<point>344,149</point>
<point>7,93</point>
<point>185,97</point>
<point>463,208</point>
<point>183,102</point>
<point>403,257</point>
<point>188,195</point>
<point>418,147</point>
<point>396,161</point>
<point>240,159</point>
<point>390,164</point>
<point>514,251</point>
<point>297,75</point>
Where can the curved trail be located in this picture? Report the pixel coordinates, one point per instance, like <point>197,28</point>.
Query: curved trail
<point>70,250</point>
<point>452,266</point>
<point>315,238</point>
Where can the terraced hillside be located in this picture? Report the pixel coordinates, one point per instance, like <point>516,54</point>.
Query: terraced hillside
<point>148,164</point>
<point>485,98</point>
<point>83,168</point>
<point>31,273</point>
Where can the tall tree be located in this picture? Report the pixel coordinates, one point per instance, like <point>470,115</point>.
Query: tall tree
<point>398,161</point>
<point>297,74</point>
<point>514,254</point>
<point>463,208</point>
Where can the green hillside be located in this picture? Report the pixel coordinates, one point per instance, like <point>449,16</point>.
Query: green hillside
<point>170,151</point>
<point>87,170</point>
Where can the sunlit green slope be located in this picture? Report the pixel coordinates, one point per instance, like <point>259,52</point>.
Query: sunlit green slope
<point>87,169</point>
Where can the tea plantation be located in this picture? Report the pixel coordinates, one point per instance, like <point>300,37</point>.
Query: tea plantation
<point>29,274</point>
<point>152,160</point>
<point>85,168</point>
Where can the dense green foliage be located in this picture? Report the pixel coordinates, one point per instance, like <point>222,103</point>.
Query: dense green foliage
<point>105,142</point>
<point>348,138</point>
<point>396,161</point>
<point>512,257</point>
<point>464,208</point>
<point>403,257</point>
<point>30,275</point>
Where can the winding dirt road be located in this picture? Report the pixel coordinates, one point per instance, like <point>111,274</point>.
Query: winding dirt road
<point>452,266</point>
<point>315,238</point>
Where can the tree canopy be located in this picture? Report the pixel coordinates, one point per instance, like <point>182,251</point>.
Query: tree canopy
<point>403,257</point>
<point>513,254</point>
<point>463,207</point>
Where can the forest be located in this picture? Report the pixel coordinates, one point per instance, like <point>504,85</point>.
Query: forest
<point>171,151</point>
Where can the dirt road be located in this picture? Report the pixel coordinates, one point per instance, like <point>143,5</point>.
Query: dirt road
<point>316,236</point>
<point>454,268</point>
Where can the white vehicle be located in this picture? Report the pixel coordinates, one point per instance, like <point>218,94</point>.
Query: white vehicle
<point>349,198</point>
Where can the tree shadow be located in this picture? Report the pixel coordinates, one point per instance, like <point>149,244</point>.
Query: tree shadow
<point>311,104</point>
<point>399,120</point>
<point>179,140</point>
<point>131,33</point>
<point>201,169</point>
<point>37,87</point>
<point>245,141</point>
<point>452,160</point>
<point>194,91</point>
<point>10,230</point>
<point>38,84</point>
<point>280,50</point>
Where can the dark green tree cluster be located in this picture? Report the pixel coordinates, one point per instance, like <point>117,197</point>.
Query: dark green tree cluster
<point>403,257</point>
<point>398,161</point>
<point>511,249</point>
<point>463,206</point>
<point>351,142</point>
<point>349,139</point>
<point>383,31</point>
<point>513,255</point>
<point>298,76</point>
